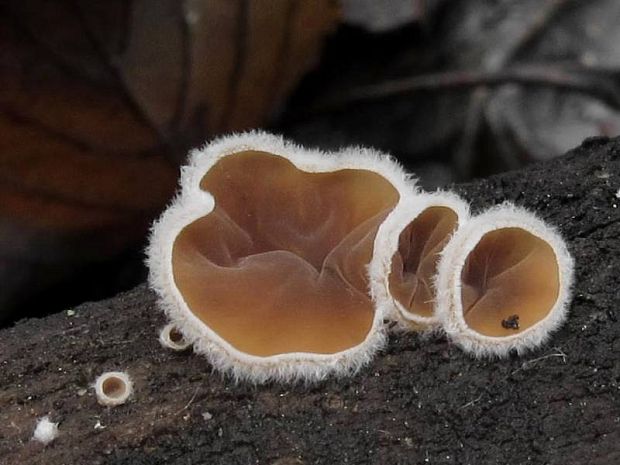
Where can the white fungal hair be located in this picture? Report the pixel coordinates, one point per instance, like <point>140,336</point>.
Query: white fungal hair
<point>45,431</point>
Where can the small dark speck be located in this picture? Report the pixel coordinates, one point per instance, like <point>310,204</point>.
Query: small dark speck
<point>512,322</point>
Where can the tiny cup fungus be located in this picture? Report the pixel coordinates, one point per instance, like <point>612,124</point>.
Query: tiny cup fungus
<point>413,242</point>
<point>265,258</point>
<point>171,338</point>
<point>113,388</point>
<point>503,282</point>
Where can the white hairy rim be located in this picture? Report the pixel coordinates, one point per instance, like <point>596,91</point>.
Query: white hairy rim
<point>111,399</point>
<point>192,203</point>
<point>387,243</point>
<point>449,307</point>
<point>45,431</point>
<point>169,338</point>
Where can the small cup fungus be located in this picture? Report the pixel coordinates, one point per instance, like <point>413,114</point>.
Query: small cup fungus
<point>279,262</point>
<point>503,282</point>
<point>262,260</point>
<point>413,241</point>
<point>113,388</point>
<point>171,338</point>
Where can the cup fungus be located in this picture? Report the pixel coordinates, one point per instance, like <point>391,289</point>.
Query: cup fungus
<point>414,239</point>
<point>113,388</point>
<point>262,260</point>
<point>504,282</point>
<point>171,338</point>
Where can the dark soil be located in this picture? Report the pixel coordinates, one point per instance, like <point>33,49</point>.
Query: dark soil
<point>421,401</point>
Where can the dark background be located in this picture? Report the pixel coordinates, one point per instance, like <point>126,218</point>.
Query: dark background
<point>100,101</point>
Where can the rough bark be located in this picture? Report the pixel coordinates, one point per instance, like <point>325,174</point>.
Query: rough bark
<point>421,401</point>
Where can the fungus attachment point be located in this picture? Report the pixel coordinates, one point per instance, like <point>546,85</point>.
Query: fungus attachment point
<point>262,260</point>
<point>113,388</point>
<point>506,279</point>
<point>171,338</point>
<point>417,236</point>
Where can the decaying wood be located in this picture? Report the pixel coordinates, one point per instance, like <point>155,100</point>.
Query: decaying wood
<point>421,401</point>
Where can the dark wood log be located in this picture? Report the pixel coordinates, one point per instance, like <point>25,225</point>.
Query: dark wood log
<point>421,401</point>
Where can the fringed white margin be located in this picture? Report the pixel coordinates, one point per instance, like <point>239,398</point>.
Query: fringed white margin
<point>449,306</point>
<point>45,431</point>
<point>387,246</point>
<point>111,401</point>
<point>192,203</point>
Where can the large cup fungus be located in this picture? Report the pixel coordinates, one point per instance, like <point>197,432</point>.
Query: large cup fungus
<point>262,259</point>
<point>504,282</point>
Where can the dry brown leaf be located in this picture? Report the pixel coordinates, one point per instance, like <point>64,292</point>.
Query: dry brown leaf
<point>100,101</point>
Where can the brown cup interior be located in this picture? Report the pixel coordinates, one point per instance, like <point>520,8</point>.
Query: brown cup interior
<point>279,265</point>
<point>414,264</point>
<point>114,387</point>
<point>510,282</point>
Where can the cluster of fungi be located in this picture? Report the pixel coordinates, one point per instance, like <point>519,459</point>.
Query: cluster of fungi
<point>279,262</point>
